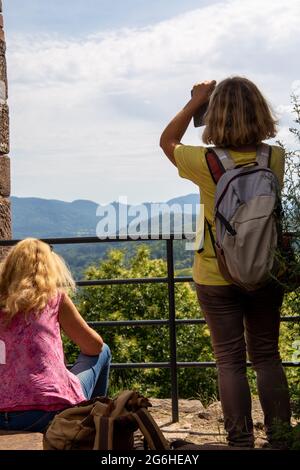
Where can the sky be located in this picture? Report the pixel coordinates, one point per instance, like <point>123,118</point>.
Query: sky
<point>93,83</point>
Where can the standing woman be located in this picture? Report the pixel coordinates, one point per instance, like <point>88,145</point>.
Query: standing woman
<point>240,322</point>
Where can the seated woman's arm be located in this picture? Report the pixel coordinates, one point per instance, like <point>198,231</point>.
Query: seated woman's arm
<point>175,130</point>
<point>76,328</point>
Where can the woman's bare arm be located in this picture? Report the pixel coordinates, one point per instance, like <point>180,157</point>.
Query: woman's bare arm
<point>76,328</point>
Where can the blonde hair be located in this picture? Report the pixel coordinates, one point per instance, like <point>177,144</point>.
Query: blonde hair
<point>238,114</point>
<point>30,275</point>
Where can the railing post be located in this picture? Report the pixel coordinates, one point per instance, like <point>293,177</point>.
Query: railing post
<point>172,330</point>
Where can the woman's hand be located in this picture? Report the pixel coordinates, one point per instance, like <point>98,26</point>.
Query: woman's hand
<point>175,130</point>
<point>202,91</point>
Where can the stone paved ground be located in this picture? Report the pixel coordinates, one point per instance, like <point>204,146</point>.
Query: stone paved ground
<point>23,441</point>
<point>196,424</point>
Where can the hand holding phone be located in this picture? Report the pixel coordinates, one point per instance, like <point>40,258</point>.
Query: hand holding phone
<point>203,91</point>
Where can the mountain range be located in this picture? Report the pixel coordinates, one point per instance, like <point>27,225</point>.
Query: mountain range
<point>45,218</point>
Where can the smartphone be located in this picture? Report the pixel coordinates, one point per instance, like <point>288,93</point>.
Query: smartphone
<point>198,117</point>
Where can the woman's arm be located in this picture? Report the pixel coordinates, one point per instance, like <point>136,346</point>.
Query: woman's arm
<point>175,130</point>
<point>76,328</point>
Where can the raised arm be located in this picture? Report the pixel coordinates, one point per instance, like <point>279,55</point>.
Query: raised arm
<point>175,130</point>
<point>76,328</point>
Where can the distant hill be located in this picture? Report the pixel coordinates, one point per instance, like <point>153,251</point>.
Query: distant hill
<point>53,218</point>
<point>47,218</point>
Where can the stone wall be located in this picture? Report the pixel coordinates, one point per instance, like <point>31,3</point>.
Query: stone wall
<point>5,212</point>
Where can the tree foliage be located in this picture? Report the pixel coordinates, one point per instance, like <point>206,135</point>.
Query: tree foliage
<point>290,332</point>
<point>146,343</point>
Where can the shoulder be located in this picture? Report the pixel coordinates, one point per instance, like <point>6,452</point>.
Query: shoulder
<point>63,300</point>
<point>190,160</point>
<point>196,151</point>
<point>57,300</point>
<point>277,156</point>
<point>277,162</point>
<point>278,152</point>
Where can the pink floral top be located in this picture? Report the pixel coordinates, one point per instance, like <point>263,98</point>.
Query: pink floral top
<point>33,374</point>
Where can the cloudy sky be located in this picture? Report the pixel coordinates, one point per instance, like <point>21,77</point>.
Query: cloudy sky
<point>92,83</point>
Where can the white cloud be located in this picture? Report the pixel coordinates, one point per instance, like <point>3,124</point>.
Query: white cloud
<point>93,107</point>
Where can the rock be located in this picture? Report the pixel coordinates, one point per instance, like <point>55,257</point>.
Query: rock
<point>259,425</point>
<point>191,406</point>
<point>185,406</point>
<point>4,129</point>
<point>4,176</point>
<point>3,69</point>
<point>5,219</point>
<point>5,224</point>
<point>204,415</point>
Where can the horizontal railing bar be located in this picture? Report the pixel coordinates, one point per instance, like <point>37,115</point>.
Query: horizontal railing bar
<point>167,365</point>
<point>213,364</point>
<point>145,280</point>
<point>141,365</point>
<point>188,321</point>
<point>291,318</point>
<point>112,239</point>
<point>128,323</point>
<point>140,280</point>
<point>117,238</point>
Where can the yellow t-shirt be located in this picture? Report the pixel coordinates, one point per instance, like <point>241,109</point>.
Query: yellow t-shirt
<point>191,164</point>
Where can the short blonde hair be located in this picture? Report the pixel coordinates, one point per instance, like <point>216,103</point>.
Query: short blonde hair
<point>30,275</point>
<point>238,114</point>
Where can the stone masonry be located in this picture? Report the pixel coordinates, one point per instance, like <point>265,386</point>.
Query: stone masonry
<point>5,212</point>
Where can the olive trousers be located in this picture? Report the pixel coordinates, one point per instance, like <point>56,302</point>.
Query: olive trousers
<point>242,323</point>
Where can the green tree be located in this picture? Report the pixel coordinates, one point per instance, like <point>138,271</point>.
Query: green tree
<point>290,332</point>
<point>146,343</point>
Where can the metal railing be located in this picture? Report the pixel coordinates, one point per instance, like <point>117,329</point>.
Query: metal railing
<point>171,321</point>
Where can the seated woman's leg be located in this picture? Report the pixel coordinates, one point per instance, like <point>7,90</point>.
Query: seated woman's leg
<point>27,421</point>
<point>93,372</point>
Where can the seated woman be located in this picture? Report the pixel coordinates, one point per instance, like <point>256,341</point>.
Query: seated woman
<point>34,306</point>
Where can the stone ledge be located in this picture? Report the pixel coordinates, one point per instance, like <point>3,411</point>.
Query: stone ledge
<point>198,425</point>
<point>21,441</point>
<point>34,441</point>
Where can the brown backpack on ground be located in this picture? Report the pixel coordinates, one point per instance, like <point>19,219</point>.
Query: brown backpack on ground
<point>105,424</point>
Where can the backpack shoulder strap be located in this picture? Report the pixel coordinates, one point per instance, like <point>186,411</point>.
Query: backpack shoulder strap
<point>263,156</point>
<point>218,161</point>
<point>150,430</point>
<point>104,426</point>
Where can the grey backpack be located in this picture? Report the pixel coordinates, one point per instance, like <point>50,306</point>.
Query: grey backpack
<point>247,217</point>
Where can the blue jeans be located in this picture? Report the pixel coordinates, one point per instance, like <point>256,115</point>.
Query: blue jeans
<point>93,373</point>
